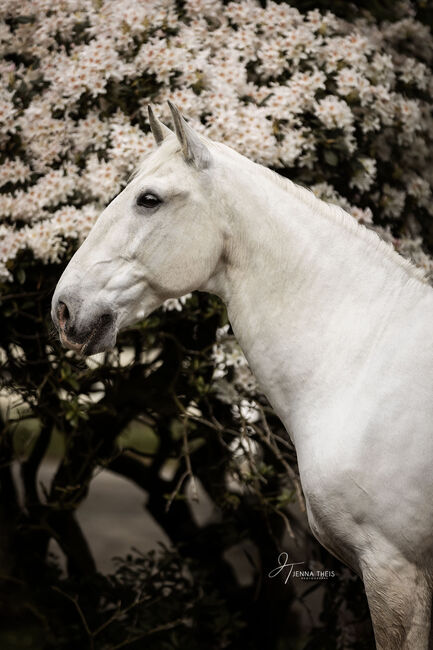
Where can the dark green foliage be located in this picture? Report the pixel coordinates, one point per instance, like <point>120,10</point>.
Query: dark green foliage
<point>195,582</point>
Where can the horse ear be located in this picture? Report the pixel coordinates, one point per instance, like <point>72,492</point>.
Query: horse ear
<point>194,150</point>
<point>159,130</point>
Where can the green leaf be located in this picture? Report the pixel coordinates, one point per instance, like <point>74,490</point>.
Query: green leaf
<point>331,157</point>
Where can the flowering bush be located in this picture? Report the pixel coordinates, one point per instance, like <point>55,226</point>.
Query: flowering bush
<point>344,107</point>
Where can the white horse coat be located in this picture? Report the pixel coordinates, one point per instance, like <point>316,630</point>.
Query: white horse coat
<point>336,327</point>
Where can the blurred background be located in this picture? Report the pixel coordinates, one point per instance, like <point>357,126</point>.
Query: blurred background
<point>147,493</point>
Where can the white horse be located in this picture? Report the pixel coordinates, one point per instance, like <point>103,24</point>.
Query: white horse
<point>336,326</point>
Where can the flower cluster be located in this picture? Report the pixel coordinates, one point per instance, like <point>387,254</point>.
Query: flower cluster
<point>337,105</point>
<point>233,381</point>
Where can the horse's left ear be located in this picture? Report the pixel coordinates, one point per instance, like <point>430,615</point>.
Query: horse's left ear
<point>194,150</point>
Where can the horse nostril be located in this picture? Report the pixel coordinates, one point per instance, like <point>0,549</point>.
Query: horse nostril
<point>105,319</point>
<point>63,314</point>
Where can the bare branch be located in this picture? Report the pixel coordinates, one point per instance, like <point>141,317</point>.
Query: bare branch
<point>159,628</point>
<point>176,490</point>
<point>269,441</point>
<point>188,458</point>
<point>74,600</point>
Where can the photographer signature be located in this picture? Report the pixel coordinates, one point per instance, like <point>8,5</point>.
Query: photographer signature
<point>305,574</point>
<point>283,564</point>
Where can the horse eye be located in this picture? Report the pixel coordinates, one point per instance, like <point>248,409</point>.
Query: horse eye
<point>148,200</point>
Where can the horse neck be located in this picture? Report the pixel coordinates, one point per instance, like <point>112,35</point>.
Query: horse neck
<point>308,297</point>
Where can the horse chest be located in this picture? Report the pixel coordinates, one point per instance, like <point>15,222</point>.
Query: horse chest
<point>361,485</point>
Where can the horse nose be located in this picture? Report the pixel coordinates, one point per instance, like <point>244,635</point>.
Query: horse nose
<point>85,327</point>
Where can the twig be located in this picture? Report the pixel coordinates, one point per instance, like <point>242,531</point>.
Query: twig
<point>246,448</point>
<point>176,490</point>
<point>12,579</point>
<point>74,600</point>
<point>188,458</point>
<point>214,426</point>
<point>268,440</point>
<point>155,630</point>
<point>285,519</point>
<point>117,614</point>
<point>121,612</point>
<point>286,443</point>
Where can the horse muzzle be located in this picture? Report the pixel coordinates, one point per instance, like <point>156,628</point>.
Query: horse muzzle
<point>85,328</point>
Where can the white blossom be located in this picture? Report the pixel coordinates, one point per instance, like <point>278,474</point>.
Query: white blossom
<point>334,113</point>
<point>270,82</point>
<point>392,201</point>
<point>176,304</point>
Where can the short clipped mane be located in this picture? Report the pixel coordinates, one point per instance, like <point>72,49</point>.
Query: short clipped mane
<point>336,214</point>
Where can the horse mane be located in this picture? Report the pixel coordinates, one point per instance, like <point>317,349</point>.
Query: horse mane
<point>336,214</point>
